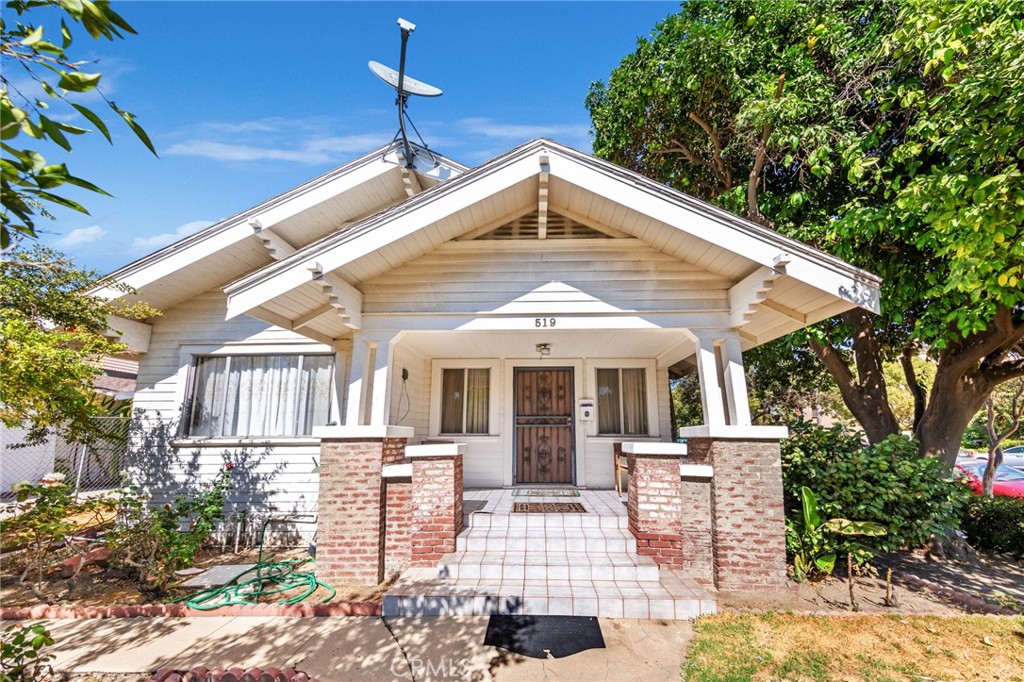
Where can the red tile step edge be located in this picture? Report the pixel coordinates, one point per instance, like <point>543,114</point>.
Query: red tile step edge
<point>182,611</point>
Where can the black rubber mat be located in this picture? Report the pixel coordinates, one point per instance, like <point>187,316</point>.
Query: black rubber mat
<point>537,636</point>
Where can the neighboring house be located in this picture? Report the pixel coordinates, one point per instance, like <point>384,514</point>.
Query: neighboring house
<point>533,308</point>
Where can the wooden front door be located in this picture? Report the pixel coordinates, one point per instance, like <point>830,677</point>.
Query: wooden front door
<point>544,425</point>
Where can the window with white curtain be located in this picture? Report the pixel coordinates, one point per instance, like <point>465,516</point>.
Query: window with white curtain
<point>259,395</point>
<point>465,400</point>
<point>622,402</point>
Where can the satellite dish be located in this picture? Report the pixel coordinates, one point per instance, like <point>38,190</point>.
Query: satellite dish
<point>410,86</point>
<point>405,86</point>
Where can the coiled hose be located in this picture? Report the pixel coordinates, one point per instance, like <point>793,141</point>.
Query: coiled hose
<point>265,579</point>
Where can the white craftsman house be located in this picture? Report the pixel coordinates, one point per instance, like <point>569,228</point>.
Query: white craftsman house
<point>533,308</point>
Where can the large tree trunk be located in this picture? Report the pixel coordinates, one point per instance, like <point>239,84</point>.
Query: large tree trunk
<point>866,394</point>
<point>966,373</point>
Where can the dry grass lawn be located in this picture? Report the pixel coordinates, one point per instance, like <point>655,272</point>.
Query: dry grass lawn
<point>760,647</point>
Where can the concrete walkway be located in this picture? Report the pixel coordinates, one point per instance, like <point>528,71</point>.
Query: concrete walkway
<point>341,649</point>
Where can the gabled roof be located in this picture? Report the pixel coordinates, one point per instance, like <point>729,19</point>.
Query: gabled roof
<point>585,189</point>
<point>253,238</point>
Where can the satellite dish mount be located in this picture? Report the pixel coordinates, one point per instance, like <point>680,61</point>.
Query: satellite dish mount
<point>405,86</point>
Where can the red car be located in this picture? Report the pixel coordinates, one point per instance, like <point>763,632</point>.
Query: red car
<point>1009,482</point>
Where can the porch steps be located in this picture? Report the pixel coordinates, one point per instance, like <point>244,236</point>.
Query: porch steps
<point>547,564</point>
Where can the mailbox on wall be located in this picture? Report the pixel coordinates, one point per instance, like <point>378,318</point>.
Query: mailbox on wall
<point>586,410</point>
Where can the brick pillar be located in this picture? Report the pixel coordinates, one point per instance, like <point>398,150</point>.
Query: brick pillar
<point>350,533</point>
<point>698,559</point>
<point>748,521</point>
<point>436,500</point>
<point>654,501</point>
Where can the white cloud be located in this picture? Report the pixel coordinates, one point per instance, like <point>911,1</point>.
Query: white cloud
<point>312,150</point>
<point>512,131</point>
<point>311,140</point>
<point>81,236</point>
<point>145,244</point>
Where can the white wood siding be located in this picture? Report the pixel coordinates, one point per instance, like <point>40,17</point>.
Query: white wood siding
<point>469,277</point>
<point>270,477</point>
<point>411,406</point>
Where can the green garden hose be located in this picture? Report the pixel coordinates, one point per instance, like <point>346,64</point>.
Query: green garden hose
<point>266,578</point>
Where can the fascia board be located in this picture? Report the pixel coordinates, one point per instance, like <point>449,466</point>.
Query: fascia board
<point>222,234</point>
<point>244,296</point>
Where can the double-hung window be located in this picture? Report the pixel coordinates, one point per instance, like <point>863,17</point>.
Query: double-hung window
<point>259,395</point>
<point>465,400</point>
<point>622,402</point>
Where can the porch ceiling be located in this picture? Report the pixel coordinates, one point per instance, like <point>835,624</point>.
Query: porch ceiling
<point>668,346</point>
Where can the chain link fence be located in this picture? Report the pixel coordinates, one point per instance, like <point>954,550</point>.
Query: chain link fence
<point>84,467</point>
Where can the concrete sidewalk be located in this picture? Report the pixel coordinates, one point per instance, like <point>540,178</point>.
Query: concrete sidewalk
<point>341,649</point>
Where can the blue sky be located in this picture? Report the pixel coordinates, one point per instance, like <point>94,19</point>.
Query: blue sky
<point>245,100</point>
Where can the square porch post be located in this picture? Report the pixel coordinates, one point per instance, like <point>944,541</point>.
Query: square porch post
<point>352,502</point>
<point>748,524</point>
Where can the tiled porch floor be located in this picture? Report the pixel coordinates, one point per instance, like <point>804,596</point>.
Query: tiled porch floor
<point>547,564</point>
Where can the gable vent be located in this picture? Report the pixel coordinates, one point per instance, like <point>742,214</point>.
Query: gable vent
<point>559,227</point>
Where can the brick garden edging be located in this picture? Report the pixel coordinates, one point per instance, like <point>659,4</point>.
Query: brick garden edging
<point>233,675</point>
<point>182,611</point>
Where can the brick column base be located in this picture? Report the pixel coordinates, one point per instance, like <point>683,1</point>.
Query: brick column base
<point>654,506</point>
<point>436,501</point>
<point>350,534</point>
<point>748,521</point>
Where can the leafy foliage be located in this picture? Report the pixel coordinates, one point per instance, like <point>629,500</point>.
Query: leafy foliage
<point>995,524</point>
<point>813,545</point>
<point>888,133</point>
<point>28,182</point>
<point>21,653</point>
<point>47,528</point>
<point>52,336</point>
<point>151,544</point>
<point>910,497</point>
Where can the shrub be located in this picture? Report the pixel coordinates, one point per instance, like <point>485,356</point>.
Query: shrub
<point>47,530</point>
<point>151,544</point>
<point>21,653</point>
<point>995,524</point>
<point>887,483</point>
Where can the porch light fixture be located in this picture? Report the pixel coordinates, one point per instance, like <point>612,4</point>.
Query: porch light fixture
<point>544,349</point>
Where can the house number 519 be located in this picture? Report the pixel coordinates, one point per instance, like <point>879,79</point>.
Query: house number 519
<point>543,322</point>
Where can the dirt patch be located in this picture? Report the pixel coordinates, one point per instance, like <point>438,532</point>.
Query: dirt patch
<point>99,587</point>
<point>995,579</point>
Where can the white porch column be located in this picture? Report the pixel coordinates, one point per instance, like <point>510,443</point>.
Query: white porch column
<point>369,383</point>
<point>737,402</point>
<point>710,387</point>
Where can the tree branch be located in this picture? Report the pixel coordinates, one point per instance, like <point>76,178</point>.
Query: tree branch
<point>720,167</point>
<point>917,389</point>
<point>754,181</point>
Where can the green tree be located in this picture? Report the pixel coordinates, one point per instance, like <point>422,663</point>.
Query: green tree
<point>52,337</point>
<point>889,133</point>
<point>39,73</point>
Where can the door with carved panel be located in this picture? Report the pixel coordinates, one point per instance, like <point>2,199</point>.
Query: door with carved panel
<point>544,425</point>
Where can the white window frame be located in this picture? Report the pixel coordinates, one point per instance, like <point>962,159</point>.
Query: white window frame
<point>186,363</point>
<point>436,387</point>
<point>650,375</point>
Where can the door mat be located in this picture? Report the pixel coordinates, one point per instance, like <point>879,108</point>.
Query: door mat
<point>541,636</point>
<point>548,508</point>
<point>546,492</point>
